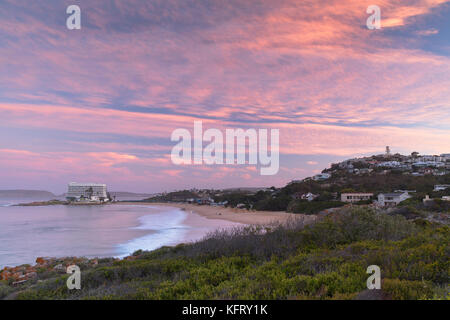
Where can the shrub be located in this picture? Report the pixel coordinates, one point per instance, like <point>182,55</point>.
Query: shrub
<point>407,290</point>
<point>312,207</point>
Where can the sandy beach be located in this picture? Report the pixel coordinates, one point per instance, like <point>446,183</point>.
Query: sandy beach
<point>232,214</point>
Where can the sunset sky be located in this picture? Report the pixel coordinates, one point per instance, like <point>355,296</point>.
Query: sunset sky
<point>99,104</point>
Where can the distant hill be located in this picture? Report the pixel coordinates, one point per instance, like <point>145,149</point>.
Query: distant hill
<point>245,189</point>
<point>123,195</point>
<point>26,194</point>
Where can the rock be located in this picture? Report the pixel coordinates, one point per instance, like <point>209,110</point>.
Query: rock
<point>5,275</point>
<point>17,275</point>
<point>30,269</point>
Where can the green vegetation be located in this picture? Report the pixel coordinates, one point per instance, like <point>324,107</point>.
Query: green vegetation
<point>324,260</point>
<point>435,205</point>
<point>312,207</point>
<point>5,289</point>
<point>173,196</point>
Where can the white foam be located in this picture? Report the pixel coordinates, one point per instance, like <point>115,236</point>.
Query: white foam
<point>166,228</point>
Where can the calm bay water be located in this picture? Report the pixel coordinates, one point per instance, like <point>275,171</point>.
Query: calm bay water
<point>91,231</point>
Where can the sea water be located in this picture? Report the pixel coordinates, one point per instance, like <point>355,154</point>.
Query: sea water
<point>92,230</point>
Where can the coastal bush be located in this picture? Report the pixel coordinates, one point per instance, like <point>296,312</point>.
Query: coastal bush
<point>312,207</point>
<point>408,290</point>
<point>5,289</point>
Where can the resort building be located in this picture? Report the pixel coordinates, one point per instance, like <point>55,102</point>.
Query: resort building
<point>87,192</point>
<point>392,199</point>
<point>356,197</point>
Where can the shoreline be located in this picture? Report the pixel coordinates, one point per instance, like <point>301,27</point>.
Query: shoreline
<point>242,216</point>
<point>234,215</point>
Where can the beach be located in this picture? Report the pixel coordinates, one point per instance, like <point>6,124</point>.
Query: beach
<point>241,216</point>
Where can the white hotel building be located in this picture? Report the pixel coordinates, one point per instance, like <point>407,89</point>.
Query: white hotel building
<point>87,191</point>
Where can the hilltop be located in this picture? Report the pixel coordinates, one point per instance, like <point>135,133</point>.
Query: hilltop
<point>26,194</point>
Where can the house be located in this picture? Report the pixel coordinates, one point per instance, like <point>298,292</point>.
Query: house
<point>402,191</point>
<point>441,187</point>
<point>356,197</point>
<point>309,196</point>
<point>321,176</point>
<point>389,164</point>
<point>392,199</point>
<point>364,171</point>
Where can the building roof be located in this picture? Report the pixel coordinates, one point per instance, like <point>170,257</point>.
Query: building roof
<point>77,184</point>
<point>396,194</point>
<point>358,193</point>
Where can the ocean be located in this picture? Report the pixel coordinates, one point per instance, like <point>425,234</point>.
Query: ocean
<point>113,230</point>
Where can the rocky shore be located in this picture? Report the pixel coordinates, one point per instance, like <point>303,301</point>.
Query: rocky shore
<point>46,267</point>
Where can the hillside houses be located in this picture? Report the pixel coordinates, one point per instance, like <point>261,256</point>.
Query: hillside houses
<point>413,164</point>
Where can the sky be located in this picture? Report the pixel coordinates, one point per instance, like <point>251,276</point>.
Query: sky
<point>99,104</point>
